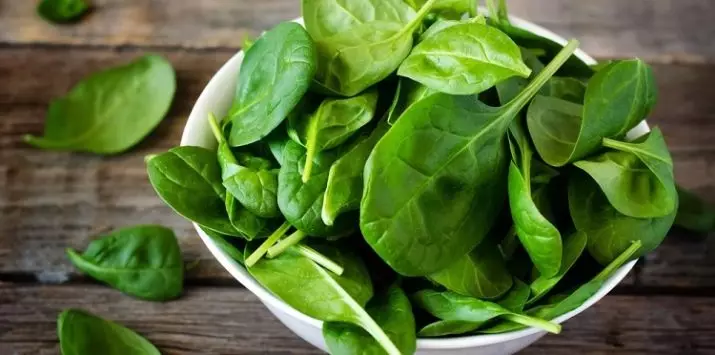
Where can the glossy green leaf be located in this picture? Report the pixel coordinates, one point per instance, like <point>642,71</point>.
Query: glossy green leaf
<point>444,151</point>
<point>345,178</point>
<point>392,312</point>
<point>275,74</point>
<point>569,89</point>
<point>442,24</point>
<point>256,190</point>
<point>384,45</point>
<point>248,225</point>
<point>408,93</point>
<point>188,179</point>
<point>443,328</point>
<point>112,110</point>
<point>637,177</point>
<point>617,99</point>
<point>61,11</point>
<point>82,333</point>
<point>610,232</point>
<point>574,246</point>
<point>325,18</point>
<point>482,273</point>
<point>453,9</point>
<point>318,293</point>
<point>694,214</point>
<point>464,59</point>
<point>142,261</point>
<point>515,300</point>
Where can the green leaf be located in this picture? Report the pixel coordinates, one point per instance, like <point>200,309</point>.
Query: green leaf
<point>443,328</point>
<point>509,89</point>
<point>62,11</point>
<point>325,18</point>
<point>574,246</point>
<point>82,333</point>
<point>188,179</point>
<point>228,247</point>
<point>345,178</point>
<point>315,292</point>
<point>350,62</point>
<point>515,300</point>
<point>464,59</point>
<point>244,221</point>
<point>482,274</point>
<point>694,214</point>
<point>444,152</point>
<point>569,89</point>
<point>112,110</point>
<point>392,312</point>
<point>301,203</point>
<point>408,93</point>
<point>442,24</point>
<point>275,74</point>
<point>617,99</point>
<point>453,9</point>
<point>141,261</point>
<point>256,190</point>
<point>637,177</point>
<point>610,232</point>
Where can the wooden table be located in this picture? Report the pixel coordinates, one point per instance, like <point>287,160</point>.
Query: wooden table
<point>50,201</point>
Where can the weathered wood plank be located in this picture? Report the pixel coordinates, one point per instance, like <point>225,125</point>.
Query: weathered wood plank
<point>653,29</point>
<point>51,200</point>
<point>232,321</point>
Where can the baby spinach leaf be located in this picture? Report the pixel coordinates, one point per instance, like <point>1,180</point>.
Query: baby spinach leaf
<point>443,151</point>
<point>610,232</point>
<point>617,99</point>
<point>453,9</point>
<point>256,190</point>
<point>637,177</point>
<point>142,261</point>
<point>515,300</point>
<point>442,24</point>
<point>110,111</point>
<point>318,293</point>
<point>464,59</point>
<point>443,328</point>
<point>61,11</point>
<point>188,179</point>
<point>482,273</point>
<point>569,89</point>
<point>454,307</point>
<point>392,312</point>
<point>248,225</point>
<point>301,203</point>
<point>383,45</point>
<point>332,124</point>
<point>81,333</point>
<point>408,93</point>
<point>694,214</point>
<point>275,74</point>
<point>574,246</point>
<point>325,18</point>
<point>345,178</point>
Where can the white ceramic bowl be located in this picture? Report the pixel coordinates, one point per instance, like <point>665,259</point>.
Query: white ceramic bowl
<point>217,98</point>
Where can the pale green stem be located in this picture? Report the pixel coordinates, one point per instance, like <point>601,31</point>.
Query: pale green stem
<point>534,322</point>
<point>619,261</point>
<point>319,259</point>
<point>216,129</point>
<point>286,243</point>
<point>263,248</point>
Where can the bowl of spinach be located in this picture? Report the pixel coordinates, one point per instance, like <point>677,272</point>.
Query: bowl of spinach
<point>420,176</point>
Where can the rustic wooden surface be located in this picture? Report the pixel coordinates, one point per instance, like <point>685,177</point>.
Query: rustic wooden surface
<point>50,201</point>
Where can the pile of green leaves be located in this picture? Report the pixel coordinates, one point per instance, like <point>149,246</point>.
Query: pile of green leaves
<point>411,168</point>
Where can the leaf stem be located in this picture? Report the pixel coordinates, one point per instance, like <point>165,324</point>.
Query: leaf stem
<point>498,11</point>
<point>286,243</point>
<point>534,322</point>
<point>619,261</point>
<point>263,248</point>
<point>319,258</point>
<point>216,129</point>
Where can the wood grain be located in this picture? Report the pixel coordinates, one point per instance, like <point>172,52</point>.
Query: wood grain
<point>232,321</point>
<point>53,200</point>
<point>662,30</point>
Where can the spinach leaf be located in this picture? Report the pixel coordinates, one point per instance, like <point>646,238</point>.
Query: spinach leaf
<point>61,11</point>
<point>312,290</point>
<point>142,261</point>
<point>617,98</point>
<point>515,300</point>
<point>442,24</point>
<point>332,124</point>
<point>345,178</point>
<point>408,93</point>
<point>301,203</point>
<point>392,312</point>
<point>574,246</point>
<point>453,9</point>
<point>248,225</point>
<point>637,177</point>
<point>454,307</point>
<point>325,18</point>
<point>610,232</point>
<point>537,234</point>
<point>508,89</point>
<point>569,89</point>
<point>694,214</point>
<point>229,247</point>
<point>110,111</point>
<point>443,151</point>
<point>275,74</point>
<point>443,328</point>
<point>350,62</point>
<point>464,59</point>
<point>82,333</point>
<point>188,179</point>
<point>482,273</point>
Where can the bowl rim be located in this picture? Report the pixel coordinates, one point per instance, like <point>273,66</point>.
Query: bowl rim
<point>197,122</point>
